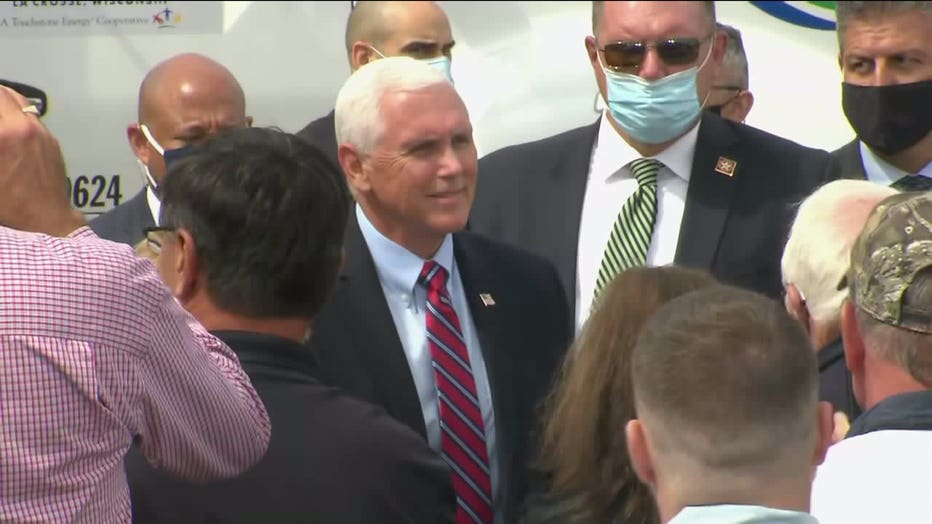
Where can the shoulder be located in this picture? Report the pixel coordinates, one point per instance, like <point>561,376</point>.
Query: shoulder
<point>115,224</point>
<point>487,249</point>
<point>353,425</point>
<point>111,284</point>
<point>768,143</point>
<point>323,126</point>
<point>551,147</point>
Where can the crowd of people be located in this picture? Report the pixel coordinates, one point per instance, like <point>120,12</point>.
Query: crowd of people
<point>666,316</point>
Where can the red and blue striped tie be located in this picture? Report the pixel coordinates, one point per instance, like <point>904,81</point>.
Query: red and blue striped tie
<point>461,425</point>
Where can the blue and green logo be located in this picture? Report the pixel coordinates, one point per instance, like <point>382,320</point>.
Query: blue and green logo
<point>814,15</point>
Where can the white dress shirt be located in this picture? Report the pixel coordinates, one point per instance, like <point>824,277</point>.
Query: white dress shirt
<point>880,171</point>
<point>155,205</point>
<point>609,184</point>
<point>398,270</point>
<point>740,514</point>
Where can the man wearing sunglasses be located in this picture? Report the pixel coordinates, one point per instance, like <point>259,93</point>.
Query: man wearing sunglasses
<point>886,59</point>
<point>730,97</point>
<point>182,101</point>
<point>375,30</point>
<point>656,180</point>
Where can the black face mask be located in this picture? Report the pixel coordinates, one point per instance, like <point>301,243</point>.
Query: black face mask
<point>890,118</point>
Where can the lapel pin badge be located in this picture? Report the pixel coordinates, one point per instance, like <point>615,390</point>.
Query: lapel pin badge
<point>726,166</point>
<point>486,299</point>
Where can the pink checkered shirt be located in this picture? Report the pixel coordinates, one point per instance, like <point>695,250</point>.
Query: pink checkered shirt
<point>94,351</point>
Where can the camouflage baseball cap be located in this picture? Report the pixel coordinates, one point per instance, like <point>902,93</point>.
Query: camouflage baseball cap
<point>891,262</point>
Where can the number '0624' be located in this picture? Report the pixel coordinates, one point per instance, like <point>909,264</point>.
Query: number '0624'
<point>95,192</point>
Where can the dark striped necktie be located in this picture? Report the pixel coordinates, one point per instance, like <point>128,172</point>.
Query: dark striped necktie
<point>630,238</point>
<point>462,428</point>
<point>913,183</point>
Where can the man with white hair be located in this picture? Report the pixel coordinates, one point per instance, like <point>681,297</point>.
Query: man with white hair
<point>815,261</point>
<point>882,470</point>
<point>453,334</point>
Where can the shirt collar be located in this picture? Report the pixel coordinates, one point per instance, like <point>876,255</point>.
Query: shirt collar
<point>611,152</point>
<point>397,267</point>
<point>155,205</point>
<point>882,172</point>
<point>740,514</point>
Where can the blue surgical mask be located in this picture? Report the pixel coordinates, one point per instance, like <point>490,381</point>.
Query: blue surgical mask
<point>169,155</point>
<point>440,63</point>
<point>654,112</point>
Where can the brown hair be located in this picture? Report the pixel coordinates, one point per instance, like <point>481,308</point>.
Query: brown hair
<point>728,379</point>
<point>583,445</point>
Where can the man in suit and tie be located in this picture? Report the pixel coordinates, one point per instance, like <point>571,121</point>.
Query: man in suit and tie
<point>255,280</point>
<point>377,29</point>
<point>885,53</point>
<point>182,101</point>
<point>655,180</point>
<point>455,335</point>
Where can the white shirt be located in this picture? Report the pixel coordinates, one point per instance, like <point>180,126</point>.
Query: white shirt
<point>398,269</point>
<point>155,206</point>
<point>880,171</point>
<point>881,476</point>
<point>741,514</point>
<point>609,184</point>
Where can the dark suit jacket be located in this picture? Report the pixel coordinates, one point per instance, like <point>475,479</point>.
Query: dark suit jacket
<point>322,133</point>
<point>125,222</point>
<point>332,458</point>
<point>523,337</point>
<point>835,380</point>
<point>531,196</point>
<point>850,163</point>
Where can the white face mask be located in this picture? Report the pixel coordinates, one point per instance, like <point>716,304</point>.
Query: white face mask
<point>440,63</point>
<point>153,185</point>
<point>169,155</point>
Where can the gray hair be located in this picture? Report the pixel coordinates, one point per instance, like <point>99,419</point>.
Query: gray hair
<point>817,253</point>
<point>845,12</point>
<point>735,61</point>
<point>358,112</point>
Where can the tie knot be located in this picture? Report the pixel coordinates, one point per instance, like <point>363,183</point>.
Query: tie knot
<point>913,183</point>
<point>645,171</point>
<point>433,276</point>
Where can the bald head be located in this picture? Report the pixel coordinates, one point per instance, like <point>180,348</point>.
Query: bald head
<point>187,74</point>
<point>183,101</point>
<point>420,30</point>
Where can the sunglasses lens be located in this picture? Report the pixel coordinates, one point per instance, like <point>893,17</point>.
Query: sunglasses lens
<point>679,51</point>
<point>624,55</point>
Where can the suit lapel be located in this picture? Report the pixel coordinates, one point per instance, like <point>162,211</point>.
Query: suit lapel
<point>370,325</point>
<point>709,197</point>
<point>850,162</point>
<point>561,201</point>
<point>479,277</point>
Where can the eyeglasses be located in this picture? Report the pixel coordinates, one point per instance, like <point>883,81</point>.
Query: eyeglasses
<point>627,55</point>
<point>156,236</point>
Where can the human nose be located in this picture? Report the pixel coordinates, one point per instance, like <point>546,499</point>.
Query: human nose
<point>652,66</point>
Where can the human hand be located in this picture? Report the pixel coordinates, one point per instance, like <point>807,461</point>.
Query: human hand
<point>32,173</point>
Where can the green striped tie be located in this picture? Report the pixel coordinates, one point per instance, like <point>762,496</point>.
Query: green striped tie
<point>630,239</point>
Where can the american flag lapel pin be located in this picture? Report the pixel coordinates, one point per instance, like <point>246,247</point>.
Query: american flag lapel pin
<point>726,166</point>
<point>486,299</point>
